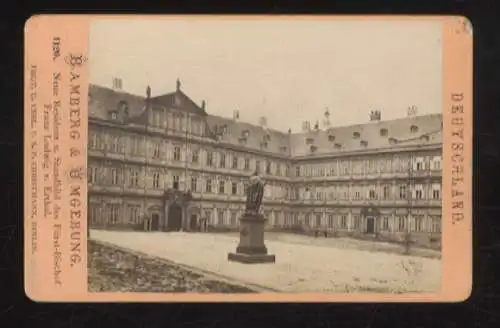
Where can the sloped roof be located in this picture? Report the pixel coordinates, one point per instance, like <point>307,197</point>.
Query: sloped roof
<point>102,99</point>
<point>266,140</point>
<point>249,135</point>
<point>399,129</point>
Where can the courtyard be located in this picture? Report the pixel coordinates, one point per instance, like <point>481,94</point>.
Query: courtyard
<point>303,263</point>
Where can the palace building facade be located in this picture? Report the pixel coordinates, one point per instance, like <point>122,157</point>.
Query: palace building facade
<point>163,163</point>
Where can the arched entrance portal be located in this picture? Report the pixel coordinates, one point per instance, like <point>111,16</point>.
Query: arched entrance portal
<point>155,222</point>
<point>174,222</point>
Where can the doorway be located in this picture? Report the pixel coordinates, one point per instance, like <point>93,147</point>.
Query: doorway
<point>193,222</point>
<point>370,224</point>
<point>174,222</point>
<point>155,222</point>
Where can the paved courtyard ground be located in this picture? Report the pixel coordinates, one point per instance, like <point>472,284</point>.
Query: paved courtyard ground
<point>303,264</point>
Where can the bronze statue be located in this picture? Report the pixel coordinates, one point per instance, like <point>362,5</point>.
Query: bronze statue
<point>254,192</point>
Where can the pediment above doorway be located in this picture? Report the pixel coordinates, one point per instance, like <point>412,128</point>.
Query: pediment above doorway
<point>370,211</point>
<point>176,196</point>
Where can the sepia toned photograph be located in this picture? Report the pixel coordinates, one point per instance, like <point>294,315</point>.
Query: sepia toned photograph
<point>276,155</point>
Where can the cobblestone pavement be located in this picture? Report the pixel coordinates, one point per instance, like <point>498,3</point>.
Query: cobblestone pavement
<point>115,270</point>
<point>299,267</point>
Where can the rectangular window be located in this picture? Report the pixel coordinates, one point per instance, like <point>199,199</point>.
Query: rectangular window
<point>268,167</point>
<point>114,212</point>
<point>436,163</point>
<point>297,171</point>
<point>402,192</point>
<point>247,164</point>
<point>318,220</point>
<point>177,153</point>
<point>419,223</point>
<point>156,150</point>
<point>115,144</point>
<point>418,194</point>
<point>93,140</point>
<point>234,188</point>
<point>435,224</point>
<point>308,220</point>
<point>92,175</point>
<point>133,211</point>
<point>372,194</point>
<point>208,186</point>
<point>210,157</point>
<point>330,221</point>
<point>195,156</point>
<point>356,222</point>
<point>194,181</point>
<point>221,186</point>
<point>156,180</point>
<point>235,162</point>
<point>401,223</point>
<point>387,192</point>
<point>134,178</point>
<point>175,184</point>
<point>220,216</point>
<point>385,223</point>
<point>115,176</point>
<point>343,221</point>
<point>222,162</point>
<point>436,191</point>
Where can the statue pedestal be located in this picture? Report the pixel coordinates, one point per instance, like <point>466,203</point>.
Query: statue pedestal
<point>251,248</point>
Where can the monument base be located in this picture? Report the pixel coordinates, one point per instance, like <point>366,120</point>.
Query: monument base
<point>251,248</point>
<point>251,258</point>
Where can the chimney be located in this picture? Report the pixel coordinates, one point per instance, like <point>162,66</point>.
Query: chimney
<point>316,126</point>
<point>148,92</point>
<point>117,83</point>
<point>178,85</point>
<point>375,115</point>
<point>236,115</point>
<point>412,111</point>
<point>289,130</point>
<point>263,121</point>
<point>326,119</point>
<point>203,104</point>
<point>306,126</point>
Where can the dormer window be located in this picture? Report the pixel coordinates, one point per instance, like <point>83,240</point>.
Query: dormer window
<point>123,107</point>
<point>337,146</point>
<point>393,141</point>
<point>363,143</point>
<point>267,137</point>
<point>263,145</point>
<point>356,135</point>
<point>413,129</point>
<point>331,138</point>
<point>313,148</point>
<point>424,137</point>
<point>309,141</point>
<point>283,149</point>
<point>242,140</point>
<point>246,133</point>
<point>113,115</point>
<point>384,132</point>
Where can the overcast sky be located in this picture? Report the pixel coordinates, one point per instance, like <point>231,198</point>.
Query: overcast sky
<point>287,70</point>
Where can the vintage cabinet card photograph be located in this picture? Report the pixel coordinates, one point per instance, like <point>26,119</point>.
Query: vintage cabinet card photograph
<point>248,158</point>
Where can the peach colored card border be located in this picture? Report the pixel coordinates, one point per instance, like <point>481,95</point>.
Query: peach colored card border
<point>69,152</point>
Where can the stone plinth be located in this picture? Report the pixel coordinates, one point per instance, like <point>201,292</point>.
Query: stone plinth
<point>251,248</point>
